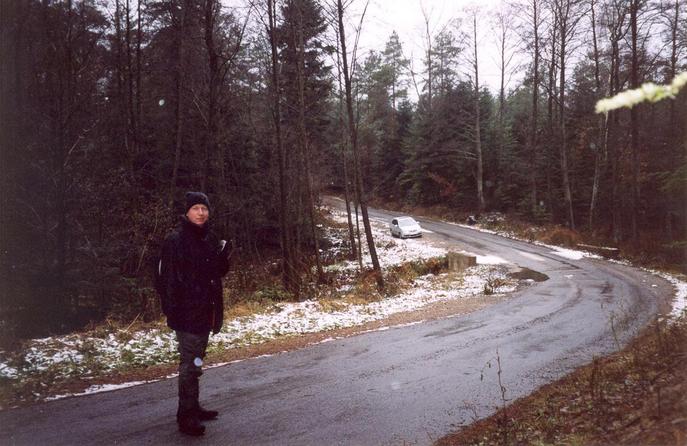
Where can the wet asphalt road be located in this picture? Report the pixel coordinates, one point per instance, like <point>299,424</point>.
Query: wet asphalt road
<point>404,385</point>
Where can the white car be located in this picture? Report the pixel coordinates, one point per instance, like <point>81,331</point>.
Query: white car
<point>405,227</point>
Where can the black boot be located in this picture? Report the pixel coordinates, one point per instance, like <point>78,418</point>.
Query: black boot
<point>206,415</point>
<point>189,424</point>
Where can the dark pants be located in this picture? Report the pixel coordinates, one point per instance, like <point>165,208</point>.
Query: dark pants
<point>191,349</point>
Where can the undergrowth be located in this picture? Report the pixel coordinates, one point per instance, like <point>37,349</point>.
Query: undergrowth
<point>635,396</point>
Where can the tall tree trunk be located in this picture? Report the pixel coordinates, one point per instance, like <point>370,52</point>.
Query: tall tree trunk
<point>614,153</point>
<point>304,140</point>
<point>635,5</point>
<point>430,80</point>
<point>344,161</point>
<point>598,154</point>
<point>616,12</point>
<point>139,102</point>
<point>290,276</point>
<point>506,56</point>
<point>674,48</point>
<point>211,10</point>
<point>532,134</point>
<point>550,116</point>
<point>356,155</point>
<point>180,37</point>
<point>122,91</point>
<point>63,129</point>
<point>478,138</point>
<point>130,111</point>
<point>567,192</point>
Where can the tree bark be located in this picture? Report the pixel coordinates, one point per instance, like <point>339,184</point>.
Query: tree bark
<point>356,155</point>
<point>179,96</point>
<point>550,112</point>
<point>304,141</point>
<point>616,11</point>
<point>598,155</point>
<point>290,276</point>
<point>478,138</point>
<point>344,161</point>
<point>565,28</point>
<point>635,5</point>
<point>139,102</point>
<point>532,134</point>
<point>211,7</point>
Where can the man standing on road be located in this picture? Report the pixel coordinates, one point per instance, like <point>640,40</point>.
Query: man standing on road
<point>189,282</point>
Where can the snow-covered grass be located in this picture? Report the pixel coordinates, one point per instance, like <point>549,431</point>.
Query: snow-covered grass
<point>680,301</point>
<point>87,355</point>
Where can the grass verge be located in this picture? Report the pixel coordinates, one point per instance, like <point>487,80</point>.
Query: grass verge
<point>633,397</point>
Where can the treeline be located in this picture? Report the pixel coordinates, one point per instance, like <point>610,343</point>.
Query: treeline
<point>109,113</point>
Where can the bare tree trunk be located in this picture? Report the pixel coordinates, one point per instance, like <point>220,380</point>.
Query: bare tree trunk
<point>211,10</point>
<point>179,110</point>
<point>635,5</point>
<point>532,134</point>
<point>356,205</point>
<point>356,155</point>
<point>478,138</point>
<point>505,46</point>
<point>344,161</point>
<point>550,114</point>
<point>290,277</point>
<point>430,80</point>
<point>122,96</point>
<point>118,49</point>
<point>565,30</point>
<point>616,13</point>
<point>674,46</point>
<point>62,127</point>
<point>139,38</point>
<point>598,156</point>
<point>347,198</point>
<point>130,112</point>
<point>614,152</point>
<point>304,140</point>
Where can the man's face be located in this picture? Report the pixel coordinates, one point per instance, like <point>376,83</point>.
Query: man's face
<point>198,214</point>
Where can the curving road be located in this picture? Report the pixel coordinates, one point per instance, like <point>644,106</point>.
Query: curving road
<point>404,385</point>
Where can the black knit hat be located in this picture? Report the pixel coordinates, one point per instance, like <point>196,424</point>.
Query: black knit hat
<point>193,198</point>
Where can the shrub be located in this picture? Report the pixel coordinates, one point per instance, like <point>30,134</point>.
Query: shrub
<point>561,236</point>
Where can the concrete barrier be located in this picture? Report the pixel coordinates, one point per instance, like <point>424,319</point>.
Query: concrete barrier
<point>459,262</point>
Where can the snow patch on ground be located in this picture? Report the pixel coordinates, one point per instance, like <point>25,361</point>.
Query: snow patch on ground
<point>679,307</point>
<point>568,253</point>
<point>100,388</point>
<point>490,260</point>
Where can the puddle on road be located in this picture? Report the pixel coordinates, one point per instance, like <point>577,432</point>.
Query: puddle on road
<point>526,273</point>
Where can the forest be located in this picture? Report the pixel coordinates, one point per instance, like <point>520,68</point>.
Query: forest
<point>111,110</point>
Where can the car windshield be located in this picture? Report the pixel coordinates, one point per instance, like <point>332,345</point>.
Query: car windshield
<point>407,222</point>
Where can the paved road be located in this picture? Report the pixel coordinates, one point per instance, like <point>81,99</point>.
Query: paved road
<point>405,385</point>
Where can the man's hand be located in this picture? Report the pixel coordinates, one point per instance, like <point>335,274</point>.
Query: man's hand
<point>225,248</point>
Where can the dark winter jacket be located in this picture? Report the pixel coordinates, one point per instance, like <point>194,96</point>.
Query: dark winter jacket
<point>191,269</point>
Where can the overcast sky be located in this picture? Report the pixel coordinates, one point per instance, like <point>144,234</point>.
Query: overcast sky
<point>407,19</point>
